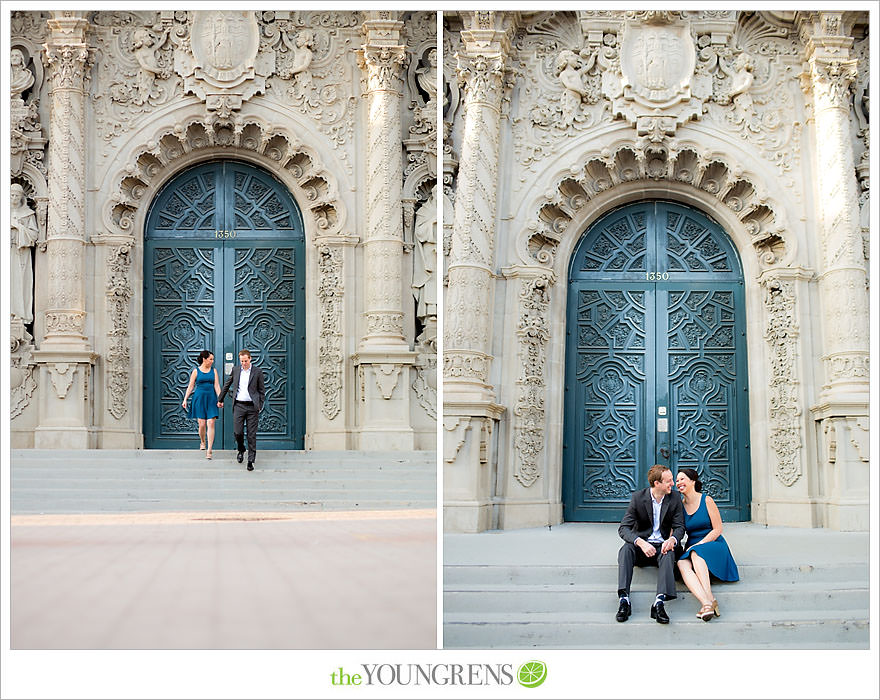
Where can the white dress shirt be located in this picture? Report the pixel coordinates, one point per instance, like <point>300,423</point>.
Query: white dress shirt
<point>243,380</point>
<point>655,537</point>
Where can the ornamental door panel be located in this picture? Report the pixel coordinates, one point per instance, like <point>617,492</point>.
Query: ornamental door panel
<point>223,270</point>
<point>655,361</point>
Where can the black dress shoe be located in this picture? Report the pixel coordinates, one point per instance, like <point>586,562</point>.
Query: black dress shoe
<point>624,611</point>
<point>658,612</point>
<point>240,456</point>
<point>251,468</point>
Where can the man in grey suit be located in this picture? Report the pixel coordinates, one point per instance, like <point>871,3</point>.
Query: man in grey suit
<point>652,529</point>
<point>249,397</point>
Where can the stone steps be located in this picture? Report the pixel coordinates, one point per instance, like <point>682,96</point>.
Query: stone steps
<point>745,598</point>
<point>783,630</point>
<point>50,481</point>
<point>495,597</point>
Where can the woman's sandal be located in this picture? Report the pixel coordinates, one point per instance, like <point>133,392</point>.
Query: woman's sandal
<point>706,612</point>
<point>715,608</point>
<point>202,446</point>
<point>209,455</point>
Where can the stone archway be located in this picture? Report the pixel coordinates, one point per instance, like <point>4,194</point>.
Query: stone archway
<point>119,247</point>
<point>617,175</point>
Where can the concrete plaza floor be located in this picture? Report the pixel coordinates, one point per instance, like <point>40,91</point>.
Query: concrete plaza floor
<point>201,580</point>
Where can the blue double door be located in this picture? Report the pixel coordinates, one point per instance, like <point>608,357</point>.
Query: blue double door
<point>655,361</point>
<point>223,271</point>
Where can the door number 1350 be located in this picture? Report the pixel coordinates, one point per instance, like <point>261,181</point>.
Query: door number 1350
<point>654,276</point>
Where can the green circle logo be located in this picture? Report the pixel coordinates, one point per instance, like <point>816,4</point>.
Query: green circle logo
<point>531,674</point>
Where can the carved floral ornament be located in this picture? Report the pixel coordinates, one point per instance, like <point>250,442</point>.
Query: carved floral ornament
<point>68,64</point>
<point>482,78</point>
<point>686,164</point>
<point>319,195</point>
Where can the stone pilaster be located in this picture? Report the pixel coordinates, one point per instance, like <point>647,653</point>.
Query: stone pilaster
<point>65,356</point>
<point>842,407</point>
<point>843,272</point>
<point>384,359</point>
<point>470,409</point>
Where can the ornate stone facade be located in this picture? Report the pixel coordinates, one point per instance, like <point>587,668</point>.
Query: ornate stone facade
<point>118,103</point>
<point>742,115</point>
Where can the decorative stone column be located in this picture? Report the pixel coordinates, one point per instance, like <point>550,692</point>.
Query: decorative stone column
<point>469,405</point>
<point>384,359</point>
<point>843,401</point>
<point>65,357</point>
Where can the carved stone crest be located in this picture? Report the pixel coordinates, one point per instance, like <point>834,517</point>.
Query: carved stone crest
<point>224,68</point>
<point>657,62</point>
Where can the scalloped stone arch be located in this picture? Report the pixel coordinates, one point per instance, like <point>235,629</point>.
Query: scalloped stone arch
<point>316,191</point>
<point>685,165</point>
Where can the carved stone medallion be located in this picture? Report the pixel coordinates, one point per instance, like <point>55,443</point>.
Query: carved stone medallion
<point>224,67</point>
<point>656,92</point>
<point>225,44</point>
<point>657,62</point>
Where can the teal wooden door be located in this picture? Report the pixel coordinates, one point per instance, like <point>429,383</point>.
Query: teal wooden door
<point>655,361</point>
<point>224,270</point>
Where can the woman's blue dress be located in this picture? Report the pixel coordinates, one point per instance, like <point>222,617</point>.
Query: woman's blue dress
<point>204,399</point>
<point>716,553</point>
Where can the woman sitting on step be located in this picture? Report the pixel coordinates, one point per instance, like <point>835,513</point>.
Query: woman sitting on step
<point>707,552</point>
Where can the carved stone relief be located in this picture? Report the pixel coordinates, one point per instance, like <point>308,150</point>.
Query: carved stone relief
<point>296,58</point>
<point>576,71</point>
<point>679,162</point>
<point>27,144</point>
<point>331,291</point>
<point>781,334</point>
<point>118,358</point>
<point>135,69</point>
<point>754,89</point>
<point>22,382</point>
<point>320,200</point>
<point>533,332</point>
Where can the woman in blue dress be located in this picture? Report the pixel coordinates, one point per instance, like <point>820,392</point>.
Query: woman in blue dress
<point>707,551</point>
<point>206,383</point>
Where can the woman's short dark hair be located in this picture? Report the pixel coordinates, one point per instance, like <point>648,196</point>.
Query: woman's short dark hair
<point>693,476</point>
<point>204,355</point>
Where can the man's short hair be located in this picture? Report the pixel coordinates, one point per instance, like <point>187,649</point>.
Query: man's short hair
<point>656,473</point>
<point>244,352</point>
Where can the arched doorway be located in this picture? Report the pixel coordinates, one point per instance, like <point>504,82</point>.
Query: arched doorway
<point>655,361</point>
<point>224,270</point>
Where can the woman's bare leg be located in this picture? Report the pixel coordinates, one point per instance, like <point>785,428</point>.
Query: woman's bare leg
<point>210,433</point>
<point>702,572</point>
<point>692,582</point>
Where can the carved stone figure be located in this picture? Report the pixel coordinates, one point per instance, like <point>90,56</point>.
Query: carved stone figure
<point>425,258</point>
<point>570,74</point>
<point>302,61</point>
<point>740,84</point>
<point>24,234</point>
<point>145,46</point>
<point>21,78</point>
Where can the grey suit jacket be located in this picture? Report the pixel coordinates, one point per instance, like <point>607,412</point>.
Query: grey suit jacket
<point>638,521</point>
<point>256,386</point>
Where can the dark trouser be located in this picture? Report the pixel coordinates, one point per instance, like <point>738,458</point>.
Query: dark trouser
<point>630,555</point>
<point>244,411</point>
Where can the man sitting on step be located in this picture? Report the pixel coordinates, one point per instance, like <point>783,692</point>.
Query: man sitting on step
<point>651,529</point>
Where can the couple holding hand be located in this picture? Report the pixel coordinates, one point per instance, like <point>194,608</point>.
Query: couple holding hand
<point>249,397</point>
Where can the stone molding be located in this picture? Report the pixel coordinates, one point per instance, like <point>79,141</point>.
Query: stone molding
<point>153,161</point>
<point>331,292</point>
<point>782,334</point>
<point>533,334</point>
<point>118,357</point>
<point>682,163</point>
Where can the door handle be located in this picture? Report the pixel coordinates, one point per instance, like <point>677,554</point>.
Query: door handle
<point>664,453</point>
